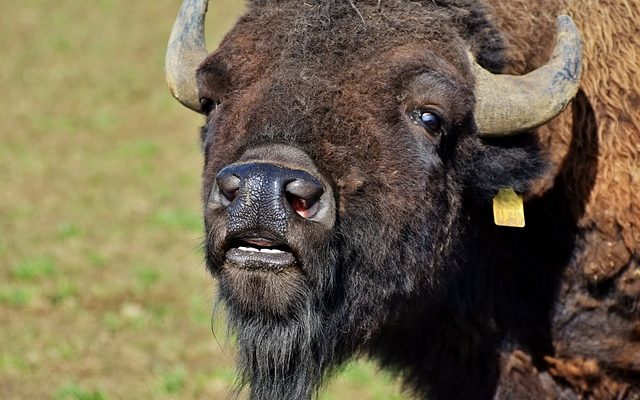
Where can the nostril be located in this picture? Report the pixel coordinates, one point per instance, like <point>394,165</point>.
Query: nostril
<point>303,196</point>
<point>304,208</point>
<point>229,184</point>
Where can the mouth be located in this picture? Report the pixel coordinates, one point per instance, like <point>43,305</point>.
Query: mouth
<point>260,253</point>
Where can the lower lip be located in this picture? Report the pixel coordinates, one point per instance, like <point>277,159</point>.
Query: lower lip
<point>254,260</point>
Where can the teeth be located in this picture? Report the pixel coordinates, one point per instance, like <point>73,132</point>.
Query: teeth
<point>249,249</point>
<point>264,250</point>
<point>271,251</point>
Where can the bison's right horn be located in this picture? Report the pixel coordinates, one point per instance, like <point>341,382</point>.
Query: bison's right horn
<point>185,51</point>
<point>508,104</point>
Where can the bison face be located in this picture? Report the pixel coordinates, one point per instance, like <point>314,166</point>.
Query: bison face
<point>332,177</point>
<point>313,175</point>
<point>340,159</point>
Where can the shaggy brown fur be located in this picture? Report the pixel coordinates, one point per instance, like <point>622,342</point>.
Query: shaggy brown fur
<point>602,284</point>
<point>415,274</point>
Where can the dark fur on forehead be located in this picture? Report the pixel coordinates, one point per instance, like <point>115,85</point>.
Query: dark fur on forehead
<point>315,28</point>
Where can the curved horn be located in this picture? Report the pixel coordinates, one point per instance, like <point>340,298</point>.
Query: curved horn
<point>507,104</point>
<point>185,52</point>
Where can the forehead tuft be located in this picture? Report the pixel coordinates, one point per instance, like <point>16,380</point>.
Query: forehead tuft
<point>350,33</point>
<point>311,32</point>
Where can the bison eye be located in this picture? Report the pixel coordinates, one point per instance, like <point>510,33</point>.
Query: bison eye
<point>428,119</point>
<point>207,105</point>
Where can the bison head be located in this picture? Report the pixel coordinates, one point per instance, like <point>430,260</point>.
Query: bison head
<point>346,158</point>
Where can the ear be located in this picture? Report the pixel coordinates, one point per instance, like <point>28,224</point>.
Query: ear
<point>492,164</point>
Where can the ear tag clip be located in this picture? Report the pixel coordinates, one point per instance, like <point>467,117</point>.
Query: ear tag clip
<point>508,208</point>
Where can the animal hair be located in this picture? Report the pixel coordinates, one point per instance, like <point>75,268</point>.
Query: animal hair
<point>415,274</point>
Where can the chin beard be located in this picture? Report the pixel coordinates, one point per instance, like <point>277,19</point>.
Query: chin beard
<point>282,358</point>
<point>285,331</point>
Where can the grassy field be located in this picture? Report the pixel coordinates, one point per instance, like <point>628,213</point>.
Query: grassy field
<point>103,294</point>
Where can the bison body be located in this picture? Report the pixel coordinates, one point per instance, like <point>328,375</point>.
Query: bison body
<point>593,149</point>
<point>348,185</point>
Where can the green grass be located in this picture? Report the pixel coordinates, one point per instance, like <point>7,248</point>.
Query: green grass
<point>15,297</point>
<point>64,289</point>
<point>68,230</point>
<point>103,292</point>
<point>147,276</point>
<point>9,362</point>
<point>34,269</point>
<point>72,391</point>
<point>173,381</point>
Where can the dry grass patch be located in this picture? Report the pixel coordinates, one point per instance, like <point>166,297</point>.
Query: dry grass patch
<point>103,294</point>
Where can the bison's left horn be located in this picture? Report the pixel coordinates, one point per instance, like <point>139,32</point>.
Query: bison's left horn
<point>185,52</point>
<point>507,104</point>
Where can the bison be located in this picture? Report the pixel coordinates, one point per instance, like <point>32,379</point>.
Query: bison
<point>352,154</point>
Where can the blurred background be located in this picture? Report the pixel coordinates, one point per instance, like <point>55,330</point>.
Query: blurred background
<point>103,292</point>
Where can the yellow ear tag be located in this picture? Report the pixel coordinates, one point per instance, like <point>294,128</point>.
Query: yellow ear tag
<point>508,209</point>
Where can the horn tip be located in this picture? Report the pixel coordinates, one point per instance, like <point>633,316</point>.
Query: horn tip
<point>570,46</point>
<point>565,23</point>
